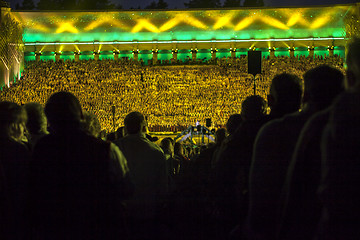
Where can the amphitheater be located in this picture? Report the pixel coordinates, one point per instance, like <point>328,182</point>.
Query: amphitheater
<point>177,67</point>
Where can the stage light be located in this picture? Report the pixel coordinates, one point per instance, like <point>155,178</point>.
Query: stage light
<point>293,19</point>
<point>67,27</point>
<point>243,23</point>
<point>106,19</point>
<point>170,24</point>
<point>223,21</point>
<point>144,23</point>
<point>320,22</point>
<point>193,21</point>
<point>274,22</point>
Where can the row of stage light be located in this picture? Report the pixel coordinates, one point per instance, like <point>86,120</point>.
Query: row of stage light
<point>212,50</point>
<point>291,41</point>
<point>184,41</point>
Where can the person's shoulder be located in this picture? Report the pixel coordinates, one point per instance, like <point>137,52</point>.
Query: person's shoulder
<point>271,126</point>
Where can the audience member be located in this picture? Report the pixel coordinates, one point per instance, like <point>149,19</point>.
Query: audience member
<point>301,207</point>
<point>339,185</point>
<point>91,124</point>
<point>147,164</point>
<point>36,124</point>
<point>270,158</point>
<point>14,160</point>
<point>172,97</point>
<point>233,165</point>
<point>78,182</point>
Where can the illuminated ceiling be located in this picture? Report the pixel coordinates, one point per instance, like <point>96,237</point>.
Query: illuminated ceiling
<point>263,27</point>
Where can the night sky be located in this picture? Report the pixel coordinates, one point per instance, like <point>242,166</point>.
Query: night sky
<point>180,3</point>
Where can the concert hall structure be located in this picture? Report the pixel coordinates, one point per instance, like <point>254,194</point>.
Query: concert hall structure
<point>153,35</point>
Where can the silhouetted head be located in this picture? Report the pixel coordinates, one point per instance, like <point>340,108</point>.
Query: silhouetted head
<point>220,136</point>
<point>135,123</point>
<point>12,120</point>
<point>285,94</point>
<point>253,108</point>
<point>63,111</point>
<point>178,148</point>
<point>37,121</point>
<point>353,64</point>
<point>167,146</point>
<point>322,85</point>
<point>233,123</point>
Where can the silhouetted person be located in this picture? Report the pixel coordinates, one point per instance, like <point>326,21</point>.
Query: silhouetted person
<point>271,156</point>
<point>14,160</point>
<point>78,182</point>
<point>285,95</point>
<point>36,124</point>
<point>340,179</point>
<point>233,166</point>
<point>147,164</point>
<point>301,206</point>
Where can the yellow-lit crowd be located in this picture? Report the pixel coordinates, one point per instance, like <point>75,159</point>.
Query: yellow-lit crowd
<point>171,97</point>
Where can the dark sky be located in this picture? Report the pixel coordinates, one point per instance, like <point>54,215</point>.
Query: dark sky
<point>180,3</point>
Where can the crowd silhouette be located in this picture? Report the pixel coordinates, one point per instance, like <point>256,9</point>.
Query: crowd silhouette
<point>284,167</point>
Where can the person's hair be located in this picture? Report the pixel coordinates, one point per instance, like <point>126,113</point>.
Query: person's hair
<point>63,111</point>
<point>91,124</point>
<point>233,123</point>
<point>167,146</point>
<point>322,85</point>
<point>37,122</point>
<point>134,122</point>
<point>178,148</point>
<point>10,113</point>
<point>286,89</point>
<point>253,107</point>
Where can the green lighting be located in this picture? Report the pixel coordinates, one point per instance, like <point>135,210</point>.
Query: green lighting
<point>184,27</point>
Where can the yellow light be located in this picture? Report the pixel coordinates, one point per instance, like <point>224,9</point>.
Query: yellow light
<point>319,22</point>
<point>274,22</point>
<point>170,24</point>
<point>243,23</point>
<point>106,19</point>
<point>143,23</point>
<point>41,27</point>
<point>223,21</point>
<point>193,21</point>
<point>293,19</point>
<point>67,27</point>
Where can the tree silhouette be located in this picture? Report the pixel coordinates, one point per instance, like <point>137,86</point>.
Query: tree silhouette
<point>161,4</point>
<point>74,4</point>
<point>26,5</point>
<point>232,3</point>
<point>253,3</point>
<point>203,4</point>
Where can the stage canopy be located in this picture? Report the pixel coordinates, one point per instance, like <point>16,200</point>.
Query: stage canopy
<point>186,29</point>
